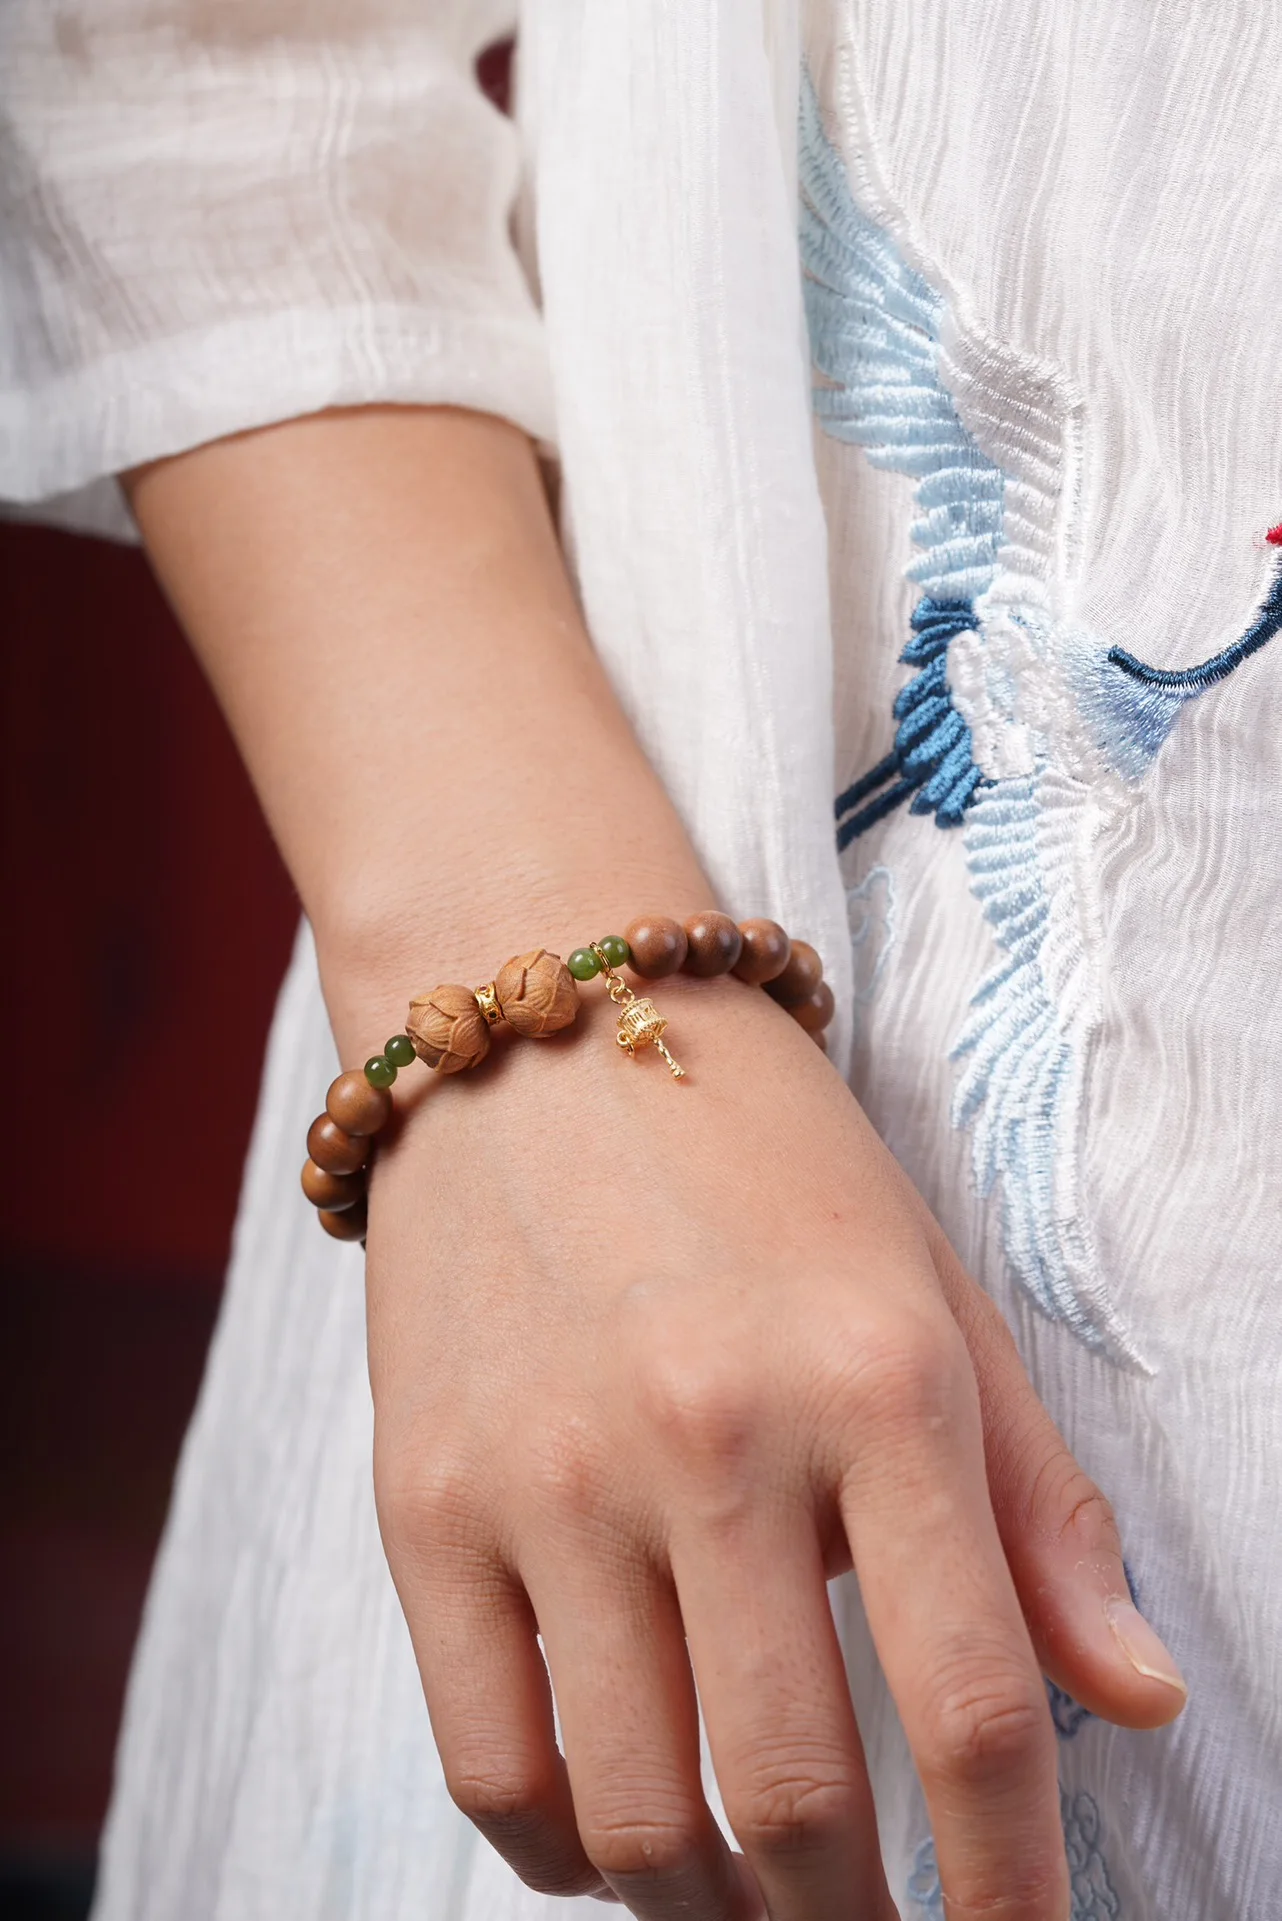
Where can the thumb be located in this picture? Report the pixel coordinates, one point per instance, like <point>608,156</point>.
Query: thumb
<point>1059,1533</point>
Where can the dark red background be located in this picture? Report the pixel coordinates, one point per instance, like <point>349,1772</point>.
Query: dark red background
<point>149,922</point>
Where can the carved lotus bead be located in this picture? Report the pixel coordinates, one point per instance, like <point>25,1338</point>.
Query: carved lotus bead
<point>448,1029</point>
<point>537,993</point>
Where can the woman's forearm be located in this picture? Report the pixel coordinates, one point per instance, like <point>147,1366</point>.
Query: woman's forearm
<point>381,604</point>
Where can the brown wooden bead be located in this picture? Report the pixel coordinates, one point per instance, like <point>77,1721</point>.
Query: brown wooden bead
<point>349,1225</point>
<point>658,946</point>
<point>764,954</point>
<point>357,1107</point>
<point>448,1029</point>
<point>799,978</point>
<point>820,1040</point>
<point>537,993</point>
<point>331,1191</point>
<point>334,1151</point>
<point>713,945</point>
<point>816,1011</point>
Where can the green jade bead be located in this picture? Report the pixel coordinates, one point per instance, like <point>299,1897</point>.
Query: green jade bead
<point>400,1051</point>
<point>615,949</point>
<point>380,1072</point>
<point>583,964</point>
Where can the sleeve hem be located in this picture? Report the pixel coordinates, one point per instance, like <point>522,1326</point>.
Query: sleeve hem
<point>168,396</point>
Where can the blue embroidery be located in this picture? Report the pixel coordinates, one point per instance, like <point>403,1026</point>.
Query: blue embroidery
<point>1195,679</point>
<point>870,915</point>
<point>1094,1897</point>
<point>1019,1067</point>
<point>924,1884</point>
<point>874,331</point>
<point>876,327</point>
<point>933,758</point>
<point>1067,1714</point>
<point>1132,707</point>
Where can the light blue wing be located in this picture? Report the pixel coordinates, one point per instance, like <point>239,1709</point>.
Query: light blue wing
<point>874,332</point>
<point>1022,1049</point>
<point>875,339</point>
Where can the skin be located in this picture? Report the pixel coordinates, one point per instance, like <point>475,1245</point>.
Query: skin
<point>649,1364</point>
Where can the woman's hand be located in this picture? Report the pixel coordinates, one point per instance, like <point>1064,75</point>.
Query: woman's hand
<point>651,1363</point>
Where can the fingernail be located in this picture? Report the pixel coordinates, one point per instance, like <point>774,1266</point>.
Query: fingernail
<point>1147,1654</point>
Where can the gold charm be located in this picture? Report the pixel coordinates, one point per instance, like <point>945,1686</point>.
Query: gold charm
<point>640,1022</point>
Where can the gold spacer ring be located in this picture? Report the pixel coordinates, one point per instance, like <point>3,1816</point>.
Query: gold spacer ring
<point>488,1002</point>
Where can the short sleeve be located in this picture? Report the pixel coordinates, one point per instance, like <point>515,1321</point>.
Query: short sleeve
<point>215,214</point>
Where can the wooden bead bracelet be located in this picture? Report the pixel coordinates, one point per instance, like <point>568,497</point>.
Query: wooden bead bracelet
<point>537,994</point>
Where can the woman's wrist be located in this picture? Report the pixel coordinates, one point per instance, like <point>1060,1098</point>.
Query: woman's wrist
<point>371,971</point>
<point>373,961</point>
<point>384,611</point>
<point>535,995</point>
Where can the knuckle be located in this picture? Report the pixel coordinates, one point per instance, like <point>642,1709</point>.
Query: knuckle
<point>563,1473</point>
<point>642,1852</point>
<point>1077,1511</point>
<point>511,1811</point>
<point>985,1726</point>
<point>506,1805</point>
<point>702,1411</point>
<point>912,1378</point>
<point>793,1812</point>
<point>429,1497</point>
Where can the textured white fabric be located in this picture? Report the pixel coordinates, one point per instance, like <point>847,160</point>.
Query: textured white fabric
<point>683,420</point>
<point>1086,194</point>
<point>1084,187</point>
<point>215,215</point>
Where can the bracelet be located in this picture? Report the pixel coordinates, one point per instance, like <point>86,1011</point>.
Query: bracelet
<point>537,994</point>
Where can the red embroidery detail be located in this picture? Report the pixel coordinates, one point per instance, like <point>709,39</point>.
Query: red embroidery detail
<point>1274,535</point>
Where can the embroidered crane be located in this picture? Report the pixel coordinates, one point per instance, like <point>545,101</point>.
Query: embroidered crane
<point>875,331</point>
<point>1008,719</point>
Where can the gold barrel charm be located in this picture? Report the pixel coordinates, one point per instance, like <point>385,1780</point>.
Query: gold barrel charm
<point>640,1023</point>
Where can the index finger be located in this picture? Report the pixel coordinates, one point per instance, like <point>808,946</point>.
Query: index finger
<point>947,1624</point>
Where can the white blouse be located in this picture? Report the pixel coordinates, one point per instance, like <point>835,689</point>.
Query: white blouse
<point>913,372</point>
<point>215,216</point>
